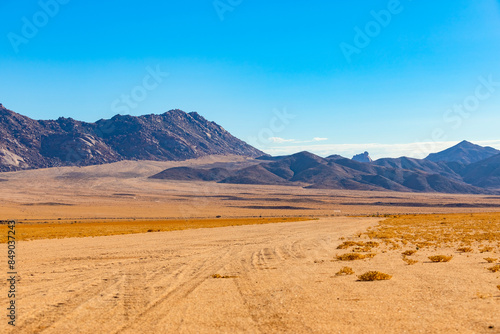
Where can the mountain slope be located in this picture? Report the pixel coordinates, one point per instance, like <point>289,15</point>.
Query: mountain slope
<point>484,173</point>
<point>464,152</point>
<point>175,135</point>
<point>420,165</point>
<point>312,171</point>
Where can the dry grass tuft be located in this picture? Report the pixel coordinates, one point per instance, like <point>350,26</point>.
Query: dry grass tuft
<point>486,249</point>
<point>345,271</point>
<point>354,256</point>
<point>363,246</point>
<point>490,259</point>
<point>409,252</point>
<point>374,276</point>
<point>223,276</point>
<point>440,258</point>
<point>495,268</point>
<point>347,244</point>
<point>409,261</point>
<point>465,249</point>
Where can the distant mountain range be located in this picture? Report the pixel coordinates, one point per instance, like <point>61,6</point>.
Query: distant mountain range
<point>175,135</point>
<point>464,153</point>
<point>450,175</point>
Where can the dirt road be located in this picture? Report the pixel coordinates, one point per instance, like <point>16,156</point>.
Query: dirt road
<point>280,279</point>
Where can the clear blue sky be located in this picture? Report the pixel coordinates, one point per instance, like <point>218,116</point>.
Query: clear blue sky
<point>239,62</point>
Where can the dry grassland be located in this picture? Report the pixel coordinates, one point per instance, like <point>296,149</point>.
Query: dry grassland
<point>59,230</point>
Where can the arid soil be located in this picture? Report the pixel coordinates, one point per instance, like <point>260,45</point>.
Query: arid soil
<point>279,278</point>
<point>123,190</point>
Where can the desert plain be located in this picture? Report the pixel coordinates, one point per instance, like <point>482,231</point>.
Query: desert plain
<point>105,249</point>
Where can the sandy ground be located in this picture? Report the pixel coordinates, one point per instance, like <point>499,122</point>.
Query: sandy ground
<point>123,190</point>
<point>284,281</point>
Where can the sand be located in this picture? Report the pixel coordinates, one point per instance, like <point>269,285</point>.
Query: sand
<point>281,280</point>
<point>123,190</point>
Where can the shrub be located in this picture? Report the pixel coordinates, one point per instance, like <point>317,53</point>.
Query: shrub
<point>353,256</point>
<point>347,244</point>
<point>440,258</point>
<point>494,269</point>
<point>409,252</point>
<point>490,259</point>
<point>409,261</point>
<point>374,276</point>
<point>465,249</point>
<point>223,276</point>
<point>345,271</point>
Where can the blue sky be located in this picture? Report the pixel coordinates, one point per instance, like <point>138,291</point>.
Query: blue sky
<point>391,77</point>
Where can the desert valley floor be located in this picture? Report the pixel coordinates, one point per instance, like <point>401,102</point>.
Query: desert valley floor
<point>278,277</point>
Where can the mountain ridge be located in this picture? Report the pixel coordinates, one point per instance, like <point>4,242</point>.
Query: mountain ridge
<point>174,135</point>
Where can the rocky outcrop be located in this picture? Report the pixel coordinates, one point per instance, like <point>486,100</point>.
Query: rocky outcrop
<point>174,135</point>
<point>363,157</point>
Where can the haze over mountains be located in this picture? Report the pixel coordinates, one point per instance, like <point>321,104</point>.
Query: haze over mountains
<point>175,135</point>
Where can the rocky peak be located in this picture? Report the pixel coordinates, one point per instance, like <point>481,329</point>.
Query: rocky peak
<point>363,157</point>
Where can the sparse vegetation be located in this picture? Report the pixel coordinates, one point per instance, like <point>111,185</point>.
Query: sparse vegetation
<point>486,249</point>
<point>374,276</point>
<point>366,246</point>
<point>409,252</point>
<point>345,271</point>
<point>354,256</point>
<point>68,229</point>
<point>495,268</point>
<point>481,230</point>
<point>440,258</point>
<point>490,259</point>
<point>223,276</point>
<point>409,261</point>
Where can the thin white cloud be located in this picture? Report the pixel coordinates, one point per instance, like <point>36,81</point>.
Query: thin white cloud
<point>280,140</point>
<point>319,139</point>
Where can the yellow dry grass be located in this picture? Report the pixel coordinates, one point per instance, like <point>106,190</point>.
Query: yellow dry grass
<point>440,258</point>
<point>63,229</point>
<point>478,230</point>
<point>354,256</point>
<point>409,261</point>
<point>345,271</point>
<point>374,276</point>
<point>409,252</point>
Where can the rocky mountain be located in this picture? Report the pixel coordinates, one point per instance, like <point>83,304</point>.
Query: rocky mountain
<point>175,135</point>
<point>309,170</point>
<point>420,165</point>
<point>464,153</point>
<point>363,157</point>
<point>484,173</point>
